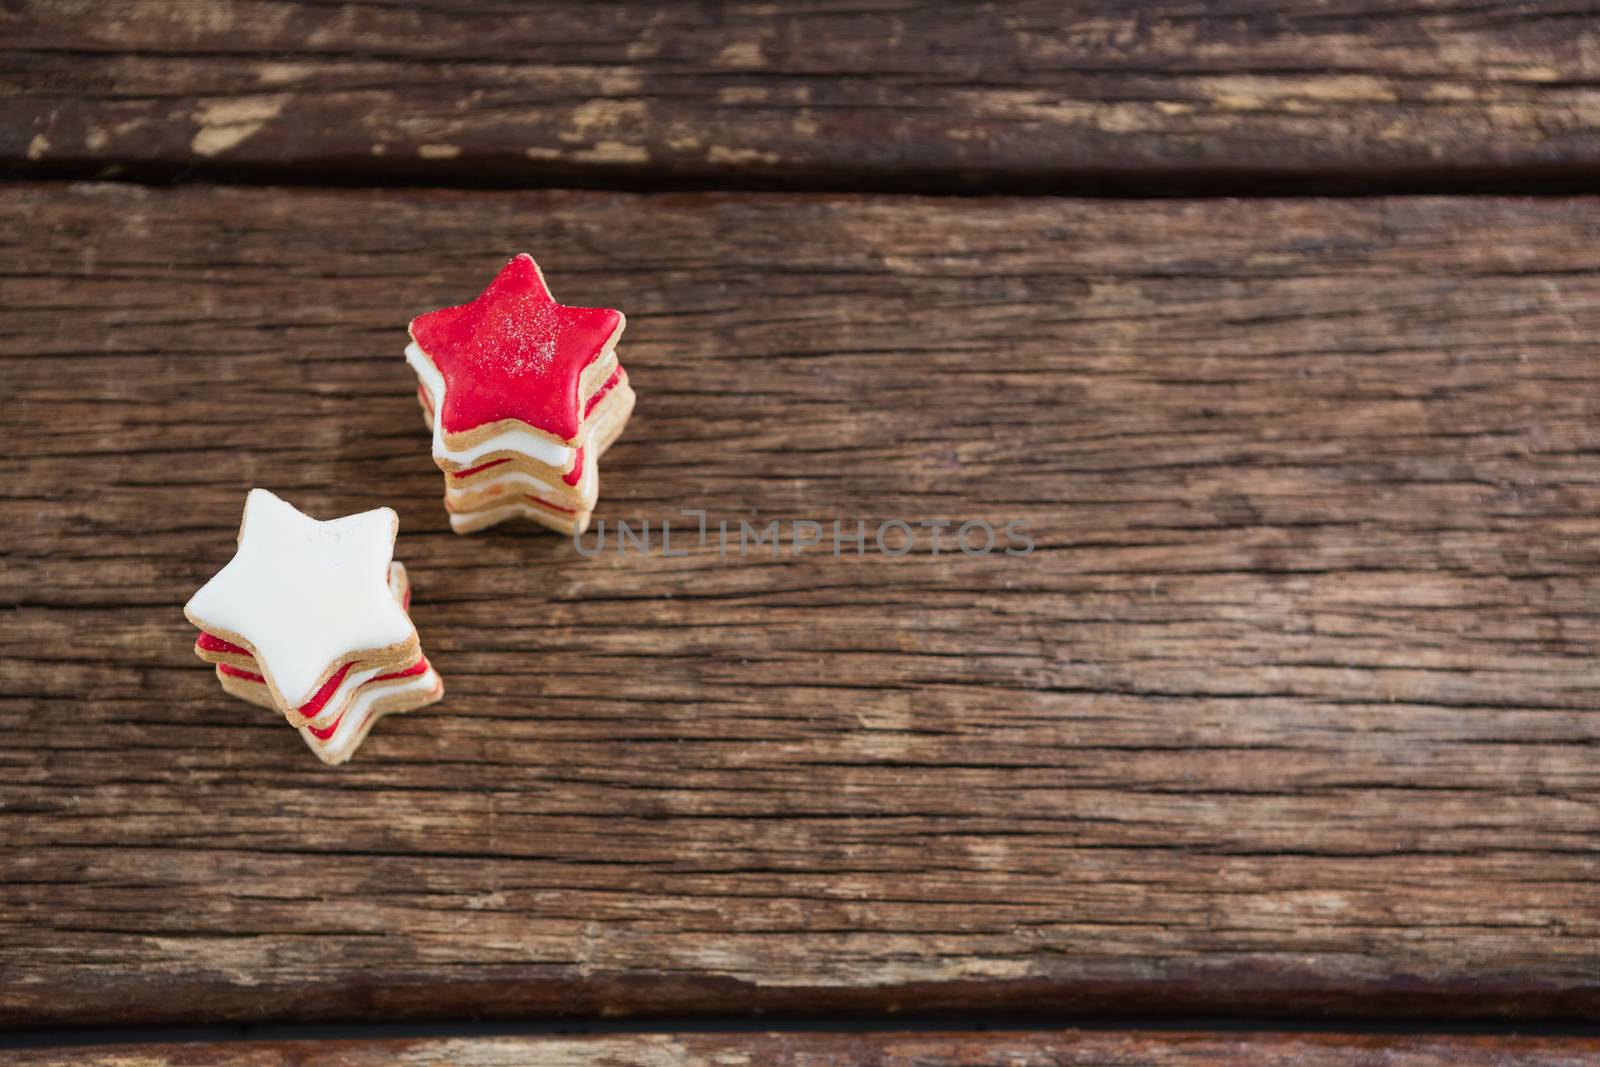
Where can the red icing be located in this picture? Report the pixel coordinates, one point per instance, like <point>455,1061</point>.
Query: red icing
<point>552,507</point>
<point>571,478</point>
<point>311,708</point>
<point>600,393</point>
<point>479,467</point>
<point>322,733</point>
<point>326,732</point>
<point>216,645</point>
<point>410,672</point>
<point>514,353</point>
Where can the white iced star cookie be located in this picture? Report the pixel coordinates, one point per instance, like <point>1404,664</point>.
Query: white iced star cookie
<point>305,597</point>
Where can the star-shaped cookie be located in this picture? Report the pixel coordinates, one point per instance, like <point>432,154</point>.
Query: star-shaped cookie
<point>515,354</point>
<point>304,597</point>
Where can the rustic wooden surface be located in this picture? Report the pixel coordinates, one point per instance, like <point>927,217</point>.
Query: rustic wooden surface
<point>1097,94</point>
<point>1071,1048</point>
<point>1290,710</point>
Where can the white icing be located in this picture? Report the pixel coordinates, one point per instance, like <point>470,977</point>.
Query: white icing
<point>355,720</point>
<point>529,444</point>
<point>517,478</point>
<point>305,594</point>
<point>524,480</point>
<point>520,508</point>
<point>397,588</point>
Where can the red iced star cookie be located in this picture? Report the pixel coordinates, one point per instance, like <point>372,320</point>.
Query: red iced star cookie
<point>514,353</point>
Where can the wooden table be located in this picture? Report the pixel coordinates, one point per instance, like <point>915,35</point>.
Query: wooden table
<point>1288,716</point>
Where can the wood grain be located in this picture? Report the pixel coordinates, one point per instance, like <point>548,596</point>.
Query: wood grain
<point>1291,709</point>
<point>1070,1048</point>
<point>1034,95</point>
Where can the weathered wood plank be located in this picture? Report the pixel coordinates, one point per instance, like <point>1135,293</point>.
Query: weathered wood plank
<point>1069,1048</point>
<point>1290,710</point>
<point>1040,95</point>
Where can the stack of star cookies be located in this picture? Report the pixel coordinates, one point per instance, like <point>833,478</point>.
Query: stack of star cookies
<point>311,618</point>
<point>523,396</point>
